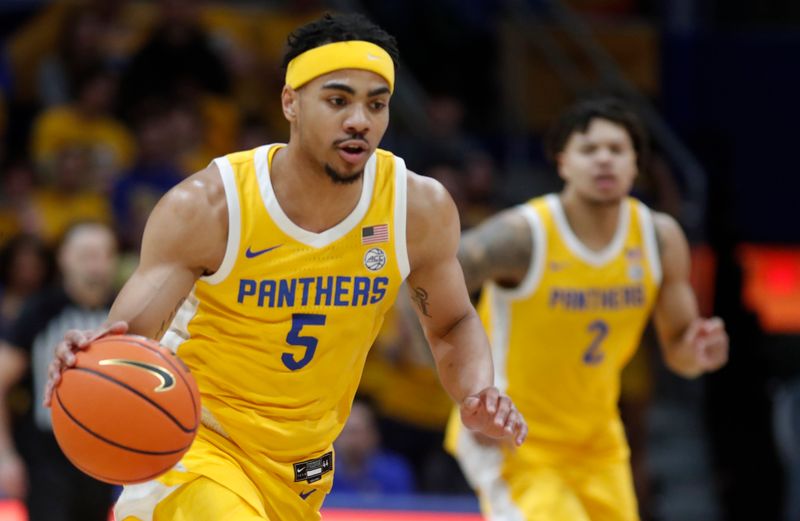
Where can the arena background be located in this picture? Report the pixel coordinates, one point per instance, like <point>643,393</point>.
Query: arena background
<point>716,80</point>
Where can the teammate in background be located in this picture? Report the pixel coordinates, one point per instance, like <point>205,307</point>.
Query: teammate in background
<point>270,272</point>
<point>32,467</point>
<point>569,282</point>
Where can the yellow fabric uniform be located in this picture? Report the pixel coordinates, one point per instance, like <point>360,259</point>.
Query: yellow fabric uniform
<point>276,340</point>
<point>560,340</point>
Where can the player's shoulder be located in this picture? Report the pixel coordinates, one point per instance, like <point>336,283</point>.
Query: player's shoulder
<point>427,193</point>
<point>666,227</point>
<point>202,191</point>
<point>673,247</point>
<point>432,220</point>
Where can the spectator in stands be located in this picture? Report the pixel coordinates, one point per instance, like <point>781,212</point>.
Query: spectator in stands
<point>80,49</point>
<point>70,197</point>
<point>155,172</point>
<point>178,61</point>
<point>88,123</point>
<point>17,213</point>
<point>361,465</point>
<point>32,466</point>
<point>25,268</point>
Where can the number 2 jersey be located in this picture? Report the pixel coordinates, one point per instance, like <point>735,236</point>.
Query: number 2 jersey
<point>561,338</point>
<point>278,336</point>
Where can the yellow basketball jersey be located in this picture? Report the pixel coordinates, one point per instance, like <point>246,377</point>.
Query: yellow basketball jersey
<point>277,337</point>
<point>561,338</point>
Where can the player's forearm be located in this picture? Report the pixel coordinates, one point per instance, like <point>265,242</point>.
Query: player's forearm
<point>149,301</point>
<point>463,358</point>
<point>679,356</point>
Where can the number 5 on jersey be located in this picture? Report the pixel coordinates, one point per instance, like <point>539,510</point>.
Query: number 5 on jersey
<point>299,321</point>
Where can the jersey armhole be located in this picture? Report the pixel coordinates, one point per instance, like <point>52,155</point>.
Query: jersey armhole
<point>650,243</point>
<point>536,267</point>
<point>234,222</point>
<point>400,199</point>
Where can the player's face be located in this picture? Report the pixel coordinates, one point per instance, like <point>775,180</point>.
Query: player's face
<point>599,165</point>
<point>339,119</point>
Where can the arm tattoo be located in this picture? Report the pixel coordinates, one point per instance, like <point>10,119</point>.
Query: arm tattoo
<point>168,321</point>
<point>421,298</point>
<point>499,250</point>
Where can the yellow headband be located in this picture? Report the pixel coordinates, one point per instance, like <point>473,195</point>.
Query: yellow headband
<point>354,54</point>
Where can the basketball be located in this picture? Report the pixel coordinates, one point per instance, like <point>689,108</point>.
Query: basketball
<point>127,411</point>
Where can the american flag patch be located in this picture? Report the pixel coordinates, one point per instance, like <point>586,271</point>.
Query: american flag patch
<point>375,234</point>
<point>633,254</point>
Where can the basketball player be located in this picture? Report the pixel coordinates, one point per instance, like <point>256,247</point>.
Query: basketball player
<point>270,272</point>
<point>569,282</point>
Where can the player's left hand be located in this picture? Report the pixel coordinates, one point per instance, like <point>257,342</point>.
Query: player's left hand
<point>709,342</point>
<point>493,414</point>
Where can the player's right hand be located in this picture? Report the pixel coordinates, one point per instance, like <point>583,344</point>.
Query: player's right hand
<point>13,476</point>
<point>75,340</point>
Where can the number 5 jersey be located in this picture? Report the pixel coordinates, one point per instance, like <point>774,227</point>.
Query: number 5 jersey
<point>277,337</point>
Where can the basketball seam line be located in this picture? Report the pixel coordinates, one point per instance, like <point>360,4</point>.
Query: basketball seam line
<point>115,481</point>
<point>139,394</point>
<point>112,442</point>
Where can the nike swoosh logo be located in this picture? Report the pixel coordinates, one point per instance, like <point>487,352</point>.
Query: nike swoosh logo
<point>304,495</point>
<point>250,253</point>
<point>166,378</point>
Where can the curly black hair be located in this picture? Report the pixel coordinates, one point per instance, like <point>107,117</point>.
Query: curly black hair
<point>579,116</point>
<point>332,28</point>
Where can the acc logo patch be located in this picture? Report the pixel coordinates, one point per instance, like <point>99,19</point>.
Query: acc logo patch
<point>374,259</point>
<point>635,272</point>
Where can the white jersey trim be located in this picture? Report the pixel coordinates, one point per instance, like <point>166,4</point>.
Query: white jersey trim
<point>234,222</point>
<point>481,466</point>
<point>309,238</point>
<point>650,242</point>
<point>500,328</point>
<point>140,500</point>
<point>178,331</point>
<point>536,266</point>
<point>400,216</point>
<point>595,258</point>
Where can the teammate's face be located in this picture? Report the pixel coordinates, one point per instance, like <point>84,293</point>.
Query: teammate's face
<point>599,165</point>
<point>339,119</point>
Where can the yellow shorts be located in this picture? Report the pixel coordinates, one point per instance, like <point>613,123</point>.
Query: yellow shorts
<point>216,481</point>
<point>511,487</point>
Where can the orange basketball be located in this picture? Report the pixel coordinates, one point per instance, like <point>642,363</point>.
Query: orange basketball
<point>127,411</point>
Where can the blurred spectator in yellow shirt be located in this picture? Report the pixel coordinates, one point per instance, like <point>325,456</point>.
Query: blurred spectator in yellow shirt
<point>71,197</point>
<point>86,123</point>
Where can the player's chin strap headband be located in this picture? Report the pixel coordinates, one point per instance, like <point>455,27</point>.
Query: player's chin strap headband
<point>354,54</point>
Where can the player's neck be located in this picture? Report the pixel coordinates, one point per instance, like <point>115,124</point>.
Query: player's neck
<point>307,195</point>
<point>593,224</point>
